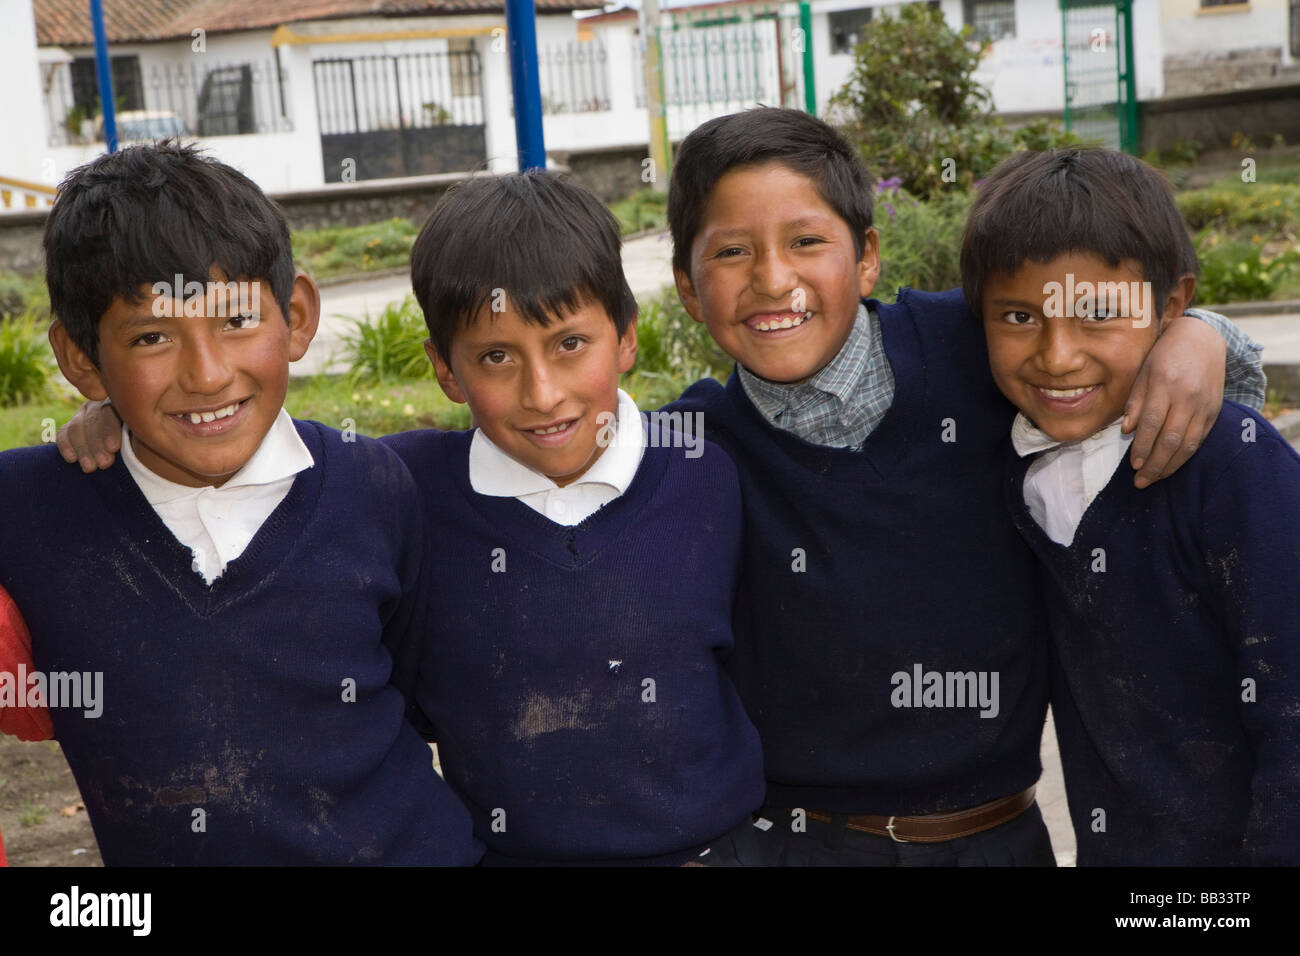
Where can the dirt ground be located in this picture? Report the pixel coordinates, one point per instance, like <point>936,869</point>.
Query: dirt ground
<point>41,817</point>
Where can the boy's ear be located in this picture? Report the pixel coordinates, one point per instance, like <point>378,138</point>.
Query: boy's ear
<point>75,364</point>
<point>627,348</point>
<point>304,315</point>
<point>686,292</point>
<point>446,378</point>
<point>1180,297</point>
<point>869,265</point>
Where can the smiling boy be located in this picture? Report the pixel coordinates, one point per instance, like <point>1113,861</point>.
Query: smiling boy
<point>1175,629</point>
<point>572,670</point>
<point>233,580</point>
<point>868,440</point>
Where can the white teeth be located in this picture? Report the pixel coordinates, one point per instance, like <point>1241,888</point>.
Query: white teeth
<point>1067,392</point>
<point>788,322</point>
<point>550,431</point>
<point>199,417</point>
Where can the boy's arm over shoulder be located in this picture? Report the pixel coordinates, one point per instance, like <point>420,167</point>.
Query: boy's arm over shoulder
<point>1251,520</point>
<point>396,500</point>
<point>1244,379</point>
<point>19,720</point>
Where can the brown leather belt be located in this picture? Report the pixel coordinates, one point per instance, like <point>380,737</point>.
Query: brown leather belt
<point>938,827</point>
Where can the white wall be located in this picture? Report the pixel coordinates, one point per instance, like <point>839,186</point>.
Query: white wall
<point>21,155</point>
<point>1185,28</point>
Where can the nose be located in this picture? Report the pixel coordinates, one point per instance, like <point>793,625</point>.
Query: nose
<point>541,390</point>
<point>1059,353</point>
<point>205,368</point>
<point>774,275</point>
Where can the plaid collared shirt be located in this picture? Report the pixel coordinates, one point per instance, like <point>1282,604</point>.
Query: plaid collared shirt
<point>843,403</point>
<point>840,405</point>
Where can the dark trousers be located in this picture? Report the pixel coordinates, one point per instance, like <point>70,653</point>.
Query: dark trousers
<point>1020,842</point>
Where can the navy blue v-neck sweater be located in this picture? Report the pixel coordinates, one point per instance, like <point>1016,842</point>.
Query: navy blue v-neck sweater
<point>253,721</point>
<point>1175,622</point>
<point>866,570</point>
<point>573,675</point>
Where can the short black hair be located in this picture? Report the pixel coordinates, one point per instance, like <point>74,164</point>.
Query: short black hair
<point>794,139</point>
<point>1039,205</point>
<point>147,213</point>
<point>548,243</point>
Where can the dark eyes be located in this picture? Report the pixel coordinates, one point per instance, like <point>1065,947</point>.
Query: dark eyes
<point>246,321</point>
<point>1017,318</point>
<point>149,338</point>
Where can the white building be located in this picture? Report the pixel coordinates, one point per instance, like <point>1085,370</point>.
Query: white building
<point>377,88</point>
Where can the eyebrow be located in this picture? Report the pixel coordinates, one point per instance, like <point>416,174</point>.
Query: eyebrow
<point>1025,303</point>
<point>555,330</point>
<point>805,222</point>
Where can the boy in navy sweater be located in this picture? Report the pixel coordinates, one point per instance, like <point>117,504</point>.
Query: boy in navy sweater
<point>229,701</point>
<point>582,562</point>
<point>1175,627</point>
<point>573,672</point>
<point>889,646</point>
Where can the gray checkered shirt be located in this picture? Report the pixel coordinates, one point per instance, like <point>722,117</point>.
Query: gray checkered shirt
<point>843,403</point>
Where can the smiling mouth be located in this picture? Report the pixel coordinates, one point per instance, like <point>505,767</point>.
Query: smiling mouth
<point>553,429</point>
<point>1065,394</point>
<point>211,415</point>
<point>775,322</point>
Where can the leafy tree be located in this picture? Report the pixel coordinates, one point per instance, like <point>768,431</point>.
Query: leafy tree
<point>916,112</point>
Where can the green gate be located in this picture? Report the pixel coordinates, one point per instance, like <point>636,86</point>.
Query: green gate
<point>722,60</point>
<point>1100,92</point>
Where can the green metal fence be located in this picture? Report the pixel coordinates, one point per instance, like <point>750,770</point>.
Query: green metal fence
<point>721,61</point>
<point>1100,92</point>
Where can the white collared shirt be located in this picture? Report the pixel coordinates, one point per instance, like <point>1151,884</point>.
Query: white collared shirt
<point>217,524</point>
<point>1064,480</point>
<point>493,472</point>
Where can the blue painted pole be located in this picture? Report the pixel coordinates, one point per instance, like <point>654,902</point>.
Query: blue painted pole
<point>104,74</point>
<point>521,28</point>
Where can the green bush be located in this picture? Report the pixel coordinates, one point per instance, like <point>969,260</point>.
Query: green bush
<point>23,294</point>
<point>920,242</point>
<point>26,366</point>
<point>1235,270</point>
<point>389,346</point>
<point>1273,207</point>
<point>674,347</point>
<point>346,250</point>
<point>912,103</point>
<point>641,211</point>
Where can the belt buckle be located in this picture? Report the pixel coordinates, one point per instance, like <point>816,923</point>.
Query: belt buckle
<point>890,827</point>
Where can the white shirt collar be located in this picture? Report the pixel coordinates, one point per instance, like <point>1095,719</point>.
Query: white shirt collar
<point>281,454</point>
<point>1062,483</point>
<point>493,472</point>
<point>1028,439</point>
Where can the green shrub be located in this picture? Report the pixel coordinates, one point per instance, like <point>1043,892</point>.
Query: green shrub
<point>345,250</point>
<point>673,346</point>
<point>389,346</point>
<point>641,211</point>
<point>920,242</point>
<point>912,104</point>
<point>26,365</point>
<point>22,294</point>
<point>1235,270</point>
<point>1273,207</point>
